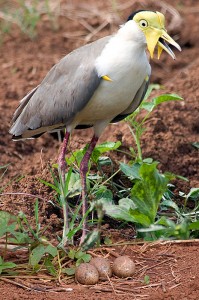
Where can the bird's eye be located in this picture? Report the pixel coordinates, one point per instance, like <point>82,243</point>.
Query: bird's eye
<point>143,23</point>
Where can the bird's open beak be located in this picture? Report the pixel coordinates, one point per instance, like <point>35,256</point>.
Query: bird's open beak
<point>159,37</point>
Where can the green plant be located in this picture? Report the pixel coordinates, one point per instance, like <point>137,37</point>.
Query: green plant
<point>148,187</point>
<point>42,255</point>
<point>5,265</point>
<point>137,127</point>
<point>17,231</point>
<point>72,188</point>
<point>150,205</point>
<point>78,257</point>
<point>139,203</point>
<point>26,15</point>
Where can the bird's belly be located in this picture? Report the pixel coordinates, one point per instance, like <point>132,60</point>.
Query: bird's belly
<point>111,99</point>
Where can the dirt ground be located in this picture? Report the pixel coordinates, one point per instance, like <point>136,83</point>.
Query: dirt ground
<point>170,133</point>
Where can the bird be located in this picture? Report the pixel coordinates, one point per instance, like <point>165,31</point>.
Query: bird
<point>94,85</point>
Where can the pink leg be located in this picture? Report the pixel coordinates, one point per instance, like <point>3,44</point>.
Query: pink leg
<point>61,159</point>
<point>83,171</point>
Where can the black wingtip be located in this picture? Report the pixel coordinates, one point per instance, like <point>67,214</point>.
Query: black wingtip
<point>21,137</point>
<point>16,138</point>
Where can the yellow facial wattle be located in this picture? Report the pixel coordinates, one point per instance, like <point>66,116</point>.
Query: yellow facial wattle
<point>153,26</point>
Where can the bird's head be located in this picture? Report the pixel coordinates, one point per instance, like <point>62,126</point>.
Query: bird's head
<point>153,26</point>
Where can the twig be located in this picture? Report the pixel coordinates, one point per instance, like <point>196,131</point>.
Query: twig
<point>174,286</point>
<point>123,249</point>
<point>87,25</point>
<point>157,243</point>
<point>147,286</point>
<point>24,194</point>
<point>191,10</point>
<point>37,288</point>
<point>111,284</point>
<point>16,283</point>
<point>163,286</point>
<point>97,30</point>
<point>158,264</point>
<point>113,253</point>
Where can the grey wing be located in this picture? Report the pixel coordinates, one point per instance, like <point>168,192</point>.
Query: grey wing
<point>135,103</point>
<point>65,90</point>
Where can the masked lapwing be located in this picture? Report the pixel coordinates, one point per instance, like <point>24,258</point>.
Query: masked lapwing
<point>94,85</point>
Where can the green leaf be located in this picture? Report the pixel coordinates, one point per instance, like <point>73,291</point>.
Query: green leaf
<point>91,239</point>
<point>126,211</point>
<point>130,171</point>
<point>148,160</point>
<point>139,217</point>
<point>196,145</point>
<point>69,271</point>
<point>49,266</point>
<point>108,146</point>
<point>151,87</point>
<point>74,185</point>
<point>102,148</point>
<point>119,213</point>
<point>194,226</point>
<point>20,238</point>
<point>166,222</point>
<point>7,223</point>
<point>52,186</point>
<point>194,194</point>
<point>95,155</point>
<point>127,203</point>
<point>6,265</point>
<point>79,261</point>
<point>103,198</point>
<point>51,250</point>
<point>104,161</point>
<point>94,177</point>
<point>82,257</point>
<point>103,192</point>
<point>75,157</point>
<point>86,257</point>
<point>152,228</point>
<point>181,177</point>
<point>165,98</point>
<point>107,241</point>
<point>171,204</point>
<point>146,279</point>
<point>149,106</point>
<point>71,254</point>
<point>147,192</point>
<point>37,254</point>
<point>79,254</point>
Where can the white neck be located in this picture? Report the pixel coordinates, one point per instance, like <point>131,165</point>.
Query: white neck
<point>126,47</point>
<point>131,32</point>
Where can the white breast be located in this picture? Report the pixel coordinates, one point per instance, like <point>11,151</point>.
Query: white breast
<point>124,61</point>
